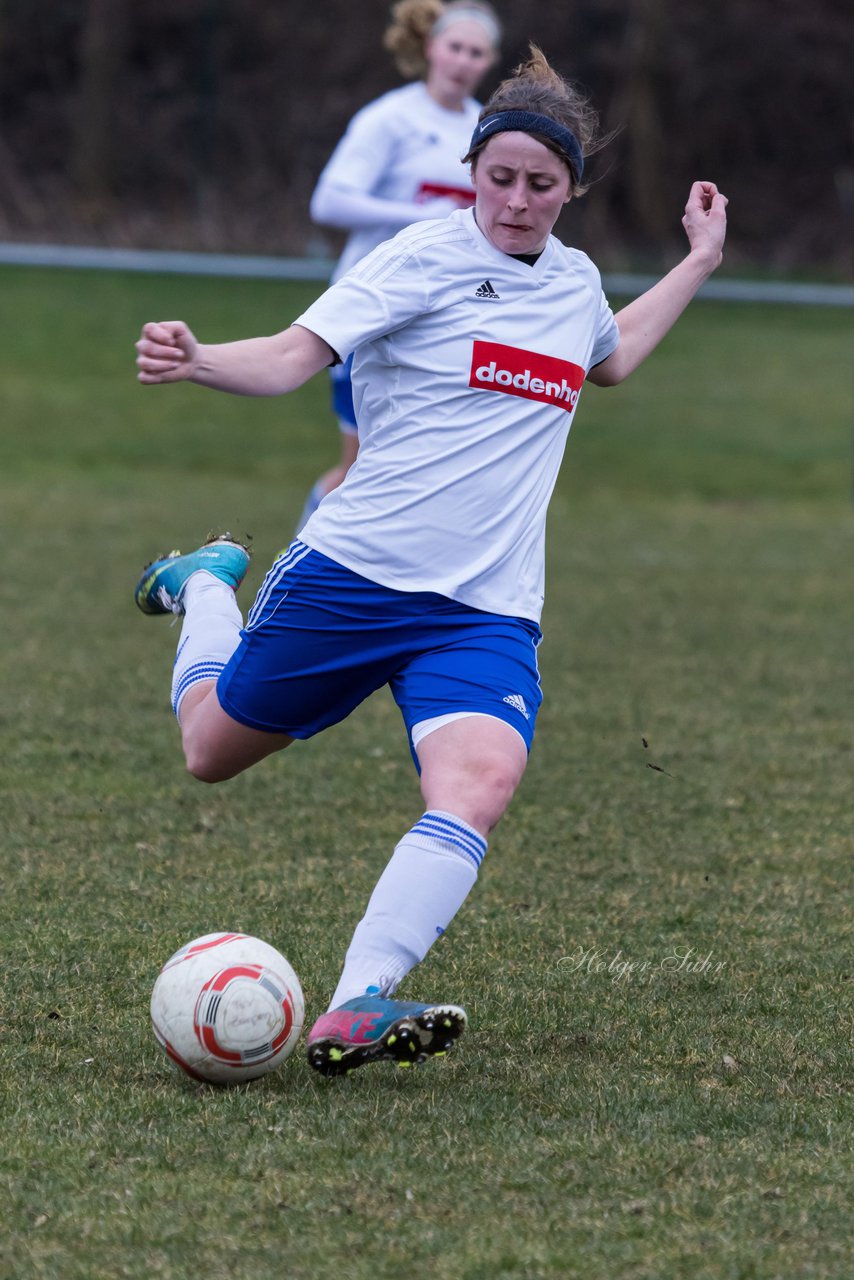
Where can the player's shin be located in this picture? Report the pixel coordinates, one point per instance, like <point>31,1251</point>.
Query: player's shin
<point>431,873</point>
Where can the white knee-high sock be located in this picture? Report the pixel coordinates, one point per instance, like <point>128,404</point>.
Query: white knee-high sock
<point>430,874</point>
<point>209,636</point>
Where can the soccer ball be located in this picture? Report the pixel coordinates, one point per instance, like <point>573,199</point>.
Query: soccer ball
<point>227,1008</point>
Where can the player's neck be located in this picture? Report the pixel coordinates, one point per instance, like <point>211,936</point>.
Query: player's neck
<point>445,99</point>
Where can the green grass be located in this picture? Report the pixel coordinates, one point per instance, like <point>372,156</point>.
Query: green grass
<point>596,1122</point>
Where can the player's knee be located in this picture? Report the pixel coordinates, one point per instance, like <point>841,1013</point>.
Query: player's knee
<point>203,771</point>
<point>500,780</point>
<point>204,764</point>
<point>489,790</point>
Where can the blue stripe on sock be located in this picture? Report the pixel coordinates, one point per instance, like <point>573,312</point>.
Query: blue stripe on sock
<point>209,670</point>
<point>446,828</point>
<point>295,552</point>
<point>457,827</point>
<point>464,850</point>
<point>457,833</point>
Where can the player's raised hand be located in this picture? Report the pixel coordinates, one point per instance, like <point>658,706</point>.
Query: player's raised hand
<point>705,221</point>
<point>166,352</point>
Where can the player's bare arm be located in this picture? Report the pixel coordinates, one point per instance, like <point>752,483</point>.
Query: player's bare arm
<point>270,366</point>
<point>644,322</point>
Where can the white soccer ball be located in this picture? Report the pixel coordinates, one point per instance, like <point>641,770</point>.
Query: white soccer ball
<point>227,1007</point>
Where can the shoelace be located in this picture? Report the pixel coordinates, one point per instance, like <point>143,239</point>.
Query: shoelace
<point>164,599</point>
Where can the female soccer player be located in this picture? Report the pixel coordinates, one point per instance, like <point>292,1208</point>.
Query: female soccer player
<point>473,336</point>
<point>400,160</point>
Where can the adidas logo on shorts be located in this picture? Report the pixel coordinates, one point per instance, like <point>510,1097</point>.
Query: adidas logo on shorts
<point>486,290</point>
<point>516,700</point>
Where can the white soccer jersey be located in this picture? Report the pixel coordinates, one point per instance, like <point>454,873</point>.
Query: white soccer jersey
<point>402,147</point>
<point>468,368</point>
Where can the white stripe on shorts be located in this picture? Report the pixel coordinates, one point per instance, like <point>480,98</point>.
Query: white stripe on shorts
<point>295,552</point>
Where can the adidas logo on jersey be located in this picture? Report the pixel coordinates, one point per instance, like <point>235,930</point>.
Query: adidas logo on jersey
<point>516,700</point>
<point>486,290</point>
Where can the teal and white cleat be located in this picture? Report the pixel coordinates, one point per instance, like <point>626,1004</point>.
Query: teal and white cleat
<point>373,1029</point>
<point>161,587</point>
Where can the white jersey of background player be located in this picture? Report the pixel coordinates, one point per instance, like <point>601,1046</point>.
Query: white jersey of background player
<point>400,160</point>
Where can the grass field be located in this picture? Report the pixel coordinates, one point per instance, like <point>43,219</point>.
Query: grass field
<point>657,959</point>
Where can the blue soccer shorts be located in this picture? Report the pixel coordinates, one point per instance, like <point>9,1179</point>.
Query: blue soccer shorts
<point>320,639</point>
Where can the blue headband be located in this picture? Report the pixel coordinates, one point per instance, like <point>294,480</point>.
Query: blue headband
<point>532,122</point>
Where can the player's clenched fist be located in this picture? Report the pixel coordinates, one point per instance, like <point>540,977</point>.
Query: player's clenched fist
<point>166,352</point>
<point>705,221</point>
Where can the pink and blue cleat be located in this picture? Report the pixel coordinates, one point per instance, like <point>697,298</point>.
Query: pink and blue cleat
<point>161,587</point>
<point>371,1028</point>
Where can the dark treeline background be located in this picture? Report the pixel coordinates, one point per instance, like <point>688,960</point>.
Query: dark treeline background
<point>204,123</point>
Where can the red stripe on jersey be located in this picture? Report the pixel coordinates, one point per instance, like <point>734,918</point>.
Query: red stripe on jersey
<point>464,196</point>
<point>517,372</point>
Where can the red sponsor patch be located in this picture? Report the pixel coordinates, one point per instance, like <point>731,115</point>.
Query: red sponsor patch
<point>526,373</point>
<point>464,196</point>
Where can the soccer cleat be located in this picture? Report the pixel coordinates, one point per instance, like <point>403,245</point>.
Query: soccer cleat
<point>161,587</point>
<point>373,1029</point>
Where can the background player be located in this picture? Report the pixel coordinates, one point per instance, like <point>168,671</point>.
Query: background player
<point>425,568</point>
<point>400,160</point>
